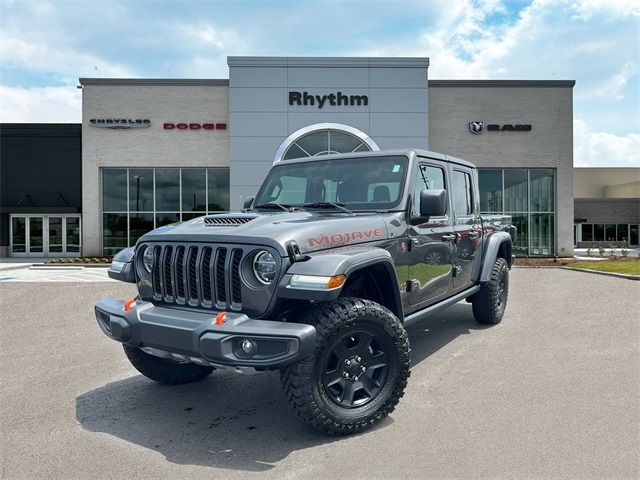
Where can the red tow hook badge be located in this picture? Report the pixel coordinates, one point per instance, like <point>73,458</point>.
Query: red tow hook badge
<point>219,320</point>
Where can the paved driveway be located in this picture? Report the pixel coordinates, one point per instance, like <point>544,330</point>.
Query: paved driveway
<point>63,274</point>
<point>553,391</point>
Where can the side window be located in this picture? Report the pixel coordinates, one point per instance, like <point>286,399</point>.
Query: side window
<point>462,194</point>
<point>429,178</point>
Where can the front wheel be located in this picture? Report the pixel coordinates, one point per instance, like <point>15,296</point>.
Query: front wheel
<point>490,302</point>
<point>359,369</point>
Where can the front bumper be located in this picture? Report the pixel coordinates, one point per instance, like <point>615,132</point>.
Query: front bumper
<point>195,334</point>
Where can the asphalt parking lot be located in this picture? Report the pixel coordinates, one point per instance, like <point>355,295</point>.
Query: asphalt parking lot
<point>553,392</point>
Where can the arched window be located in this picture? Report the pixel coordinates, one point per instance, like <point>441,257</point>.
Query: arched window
<point>324,139</point>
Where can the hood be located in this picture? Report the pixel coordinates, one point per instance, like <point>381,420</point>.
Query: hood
<point>311,230</point>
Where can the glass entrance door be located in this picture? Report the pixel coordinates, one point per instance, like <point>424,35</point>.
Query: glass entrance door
<point>45,235</point>
<point>55,235</point>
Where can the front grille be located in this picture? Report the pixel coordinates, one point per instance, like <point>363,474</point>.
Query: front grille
<point>198,276</point>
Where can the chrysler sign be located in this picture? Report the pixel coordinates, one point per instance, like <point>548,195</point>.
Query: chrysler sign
<point>120,123</point>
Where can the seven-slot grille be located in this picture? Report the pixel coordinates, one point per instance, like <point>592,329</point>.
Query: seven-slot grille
<point>198,276</point>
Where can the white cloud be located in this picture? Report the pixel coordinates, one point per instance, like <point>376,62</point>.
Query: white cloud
<point>587,9</point>
<point>42,105</point>
<point>599,149</point>
<point>53,58</point>
<point>614,86</point>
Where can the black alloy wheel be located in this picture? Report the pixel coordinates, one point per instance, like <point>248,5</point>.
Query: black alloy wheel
<point>355,369</point>
<point>359,368</point>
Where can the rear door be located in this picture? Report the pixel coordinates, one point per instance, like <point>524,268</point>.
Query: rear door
<point>430,244</point>
<point>467,226</point>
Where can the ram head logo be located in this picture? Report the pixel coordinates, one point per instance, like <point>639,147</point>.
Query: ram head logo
<point>476,127</point>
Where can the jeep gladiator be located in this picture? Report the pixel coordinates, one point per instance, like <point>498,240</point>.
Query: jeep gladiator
<point>317,277</point>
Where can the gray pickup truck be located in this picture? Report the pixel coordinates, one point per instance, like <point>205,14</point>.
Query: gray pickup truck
<point>317,277</point>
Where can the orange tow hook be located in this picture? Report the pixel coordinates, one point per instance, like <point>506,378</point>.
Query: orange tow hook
<point>128,304</point>
<point>220,318</point>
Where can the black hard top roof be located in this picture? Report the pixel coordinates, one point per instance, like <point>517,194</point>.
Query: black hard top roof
<point>385,153</point>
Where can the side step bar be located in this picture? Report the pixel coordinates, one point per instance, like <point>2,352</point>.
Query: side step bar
<point>422,314</point>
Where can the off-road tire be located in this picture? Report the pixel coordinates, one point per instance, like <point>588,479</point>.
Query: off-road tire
<point>302,381</point>
<point>490,302</point>
<point>165,371</point>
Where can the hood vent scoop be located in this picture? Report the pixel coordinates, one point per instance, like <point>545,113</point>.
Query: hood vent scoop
<point>226,221</point>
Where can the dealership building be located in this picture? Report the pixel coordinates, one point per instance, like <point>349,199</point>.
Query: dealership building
<point>157,151</point>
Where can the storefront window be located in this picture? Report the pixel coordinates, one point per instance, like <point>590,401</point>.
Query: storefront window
<point>528,196</point>
<point>515,190</point>
<point>114,190</point>
<point>218,189</point>
<point>141,190</point>
<point>542,236</point>
<point>114,232</point>
<point>490,190</point>
<point>138,200</point>
<point>542,190</point>
<point>633,235</point>
<point>598,232</point>
<point>622,234</point>
<point>587,232</point>
<point>168,189</point>
<point>610,232</point>
<point>194,190</point>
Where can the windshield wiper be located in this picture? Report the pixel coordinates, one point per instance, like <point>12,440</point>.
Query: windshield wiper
<point>336,206</point>
<point>271,205</point>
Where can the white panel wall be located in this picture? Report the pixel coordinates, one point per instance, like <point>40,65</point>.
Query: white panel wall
<point>148,147</point>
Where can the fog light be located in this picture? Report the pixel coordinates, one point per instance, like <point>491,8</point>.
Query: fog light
<point>248,347</point>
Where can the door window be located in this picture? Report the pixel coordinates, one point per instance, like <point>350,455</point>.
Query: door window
<point>462,194</point>
<point>73,234</point>
<point>19,234</point>
<point>55,234</point>
<point>36,238</point>
<point>429,178</point>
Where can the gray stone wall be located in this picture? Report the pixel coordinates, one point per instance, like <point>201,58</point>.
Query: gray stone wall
<point>546,106</point>
<point>603,210</point>
<point>261,117</point>
<point>159,101</point>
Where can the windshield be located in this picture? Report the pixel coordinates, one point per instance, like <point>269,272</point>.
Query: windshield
<point>363,183</point>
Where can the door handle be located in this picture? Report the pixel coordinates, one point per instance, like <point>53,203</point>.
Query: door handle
<point>449,238</point>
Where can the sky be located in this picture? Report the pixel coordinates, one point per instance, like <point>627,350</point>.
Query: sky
<point>45,46</point>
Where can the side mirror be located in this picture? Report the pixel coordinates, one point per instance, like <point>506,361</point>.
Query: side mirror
<point>248,202</point>
<point>433,203</point>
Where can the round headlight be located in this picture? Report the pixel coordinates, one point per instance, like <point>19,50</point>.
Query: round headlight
<point>147,259</point>
<point>264,267</point>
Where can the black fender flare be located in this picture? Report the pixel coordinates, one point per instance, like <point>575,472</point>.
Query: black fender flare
<point>345,261</point>
<point>495,242</point>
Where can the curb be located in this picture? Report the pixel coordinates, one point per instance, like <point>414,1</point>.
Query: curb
<point>83,265</point>
<point>608,274</point>
<point>537,266</point>
<point>14,267</point>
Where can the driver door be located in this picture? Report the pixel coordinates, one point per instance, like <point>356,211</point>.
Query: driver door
<point>430,243</point>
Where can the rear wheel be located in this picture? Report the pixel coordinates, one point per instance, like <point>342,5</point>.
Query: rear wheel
<point>490,302</point>
<point>359,369</point>
<point>163,370</point>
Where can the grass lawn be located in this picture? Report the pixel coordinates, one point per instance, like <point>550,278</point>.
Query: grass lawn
<point>630,267</point>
